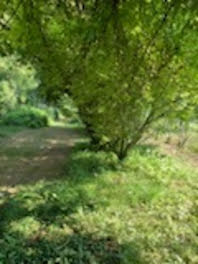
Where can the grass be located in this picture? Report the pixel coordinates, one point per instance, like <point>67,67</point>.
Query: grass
<point>143,211</point>
<point>177,143</point>
<point>192,145</point>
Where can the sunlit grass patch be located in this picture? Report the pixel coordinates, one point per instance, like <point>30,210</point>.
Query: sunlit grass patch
<point>27,226</point>
<point>193,144</point>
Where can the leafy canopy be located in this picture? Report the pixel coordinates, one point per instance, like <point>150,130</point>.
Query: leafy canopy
<point>125,63</point>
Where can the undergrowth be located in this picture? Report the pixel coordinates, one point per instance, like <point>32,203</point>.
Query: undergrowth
<point>26,116</point>
<point>143,210</point>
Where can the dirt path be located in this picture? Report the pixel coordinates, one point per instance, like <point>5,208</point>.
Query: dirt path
<point>33,155</point>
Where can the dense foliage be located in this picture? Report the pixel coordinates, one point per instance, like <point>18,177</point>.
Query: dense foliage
<point>26,116</point>
<point>127,70</point>
<point>17,83</point>
<point>125,63</point>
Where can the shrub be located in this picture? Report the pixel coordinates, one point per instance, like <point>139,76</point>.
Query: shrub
<point>18,83</point>
<point>26,116</point>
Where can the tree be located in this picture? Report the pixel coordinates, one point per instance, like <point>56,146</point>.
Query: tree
<point>17,83</point>
<point>125,63</point>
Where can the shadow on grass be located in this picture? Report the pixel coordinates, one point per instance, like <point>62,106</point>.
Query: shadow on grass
<point>44,245</point>
<point>74,248</point>
<point>49,203</point>
<point>53,204</point>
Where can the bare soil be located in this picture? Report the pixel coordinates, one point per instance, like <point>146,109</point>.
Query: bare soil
<point>33,155</point>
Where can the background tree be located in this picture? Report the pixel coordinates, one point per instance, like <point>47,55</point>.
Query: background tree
<point>18,83</point>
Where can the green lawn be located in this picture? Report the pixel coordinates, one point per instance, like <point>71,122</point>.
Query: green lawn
<point>143,211</point>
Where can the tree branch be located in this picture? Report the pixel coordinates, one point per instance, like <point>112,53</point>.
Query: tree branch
<point>6,24</point>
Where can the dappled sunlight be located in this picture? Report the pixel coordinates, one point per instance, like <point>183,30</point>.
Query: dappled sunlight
<point>55,141</point>
<point>44,218</point>
<point>27,226</point>
<point>32,155</point>
<point>98,132</point>
<point>168,145</point>
<point>104,213</point>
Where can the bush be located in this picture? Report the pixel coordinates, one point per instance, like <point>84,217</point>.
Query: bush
<point>18,83</point>
<point>68,107</point>
<point>26,116</point>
